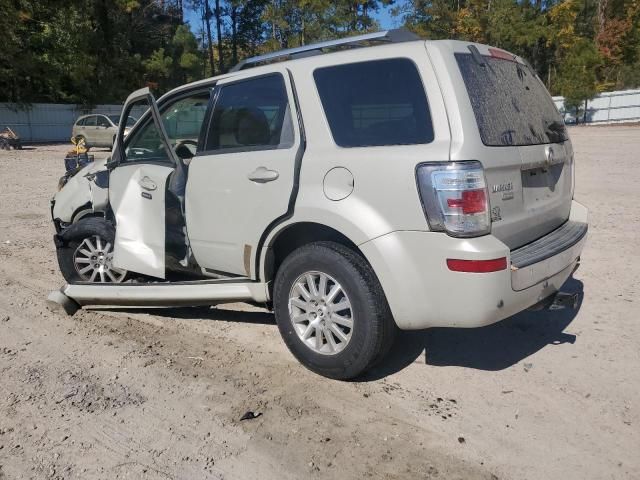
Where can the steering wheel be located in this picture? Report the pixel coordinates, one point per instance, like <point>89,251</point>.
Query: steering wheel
<point>141,151</point>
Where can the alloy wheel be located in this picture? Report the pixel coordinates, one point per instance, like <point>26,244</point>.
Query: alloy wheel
<point>321,313</point>
<point>93,260</point>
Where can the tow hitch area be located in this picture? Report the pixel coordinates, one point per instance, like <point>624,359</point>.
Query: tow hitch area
<point>558,301</point>
<point>562,300</point>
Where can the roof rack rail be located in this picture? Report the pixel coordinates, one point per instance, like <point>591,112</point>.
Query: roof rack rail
<point>391,36</point>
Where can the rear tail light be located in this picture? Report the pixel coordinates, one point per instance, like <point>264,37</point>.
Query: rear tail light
<point>455,198</point>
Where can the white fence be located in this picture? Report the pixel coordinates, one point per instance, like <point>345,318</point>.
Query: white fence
<point>610,107</point>
<point>48,122</point>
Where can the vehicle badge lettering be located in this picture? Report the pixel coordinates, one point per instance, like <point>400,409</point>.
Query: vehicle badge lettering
<point>502,187</point>
<point>507,195</point>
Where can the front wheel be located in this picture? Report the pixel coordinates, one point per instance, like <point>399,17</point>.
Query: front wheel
<point>331,310</point>
<point>87,253</point>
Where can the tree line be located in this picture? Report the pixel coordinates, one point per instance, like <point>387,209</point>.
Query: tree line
<point>97,51</point>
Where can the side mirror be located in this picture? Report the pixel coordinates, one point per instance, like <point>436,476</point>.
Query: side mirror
<point>183,152</point>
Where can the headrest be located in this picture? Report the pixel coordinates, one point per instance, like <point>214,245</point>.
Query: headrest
<point>252,127</point>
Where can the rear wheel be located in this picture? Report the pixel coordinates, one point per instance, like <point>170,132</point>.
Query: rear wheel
<point>331,310</point>
<point>87,255</point>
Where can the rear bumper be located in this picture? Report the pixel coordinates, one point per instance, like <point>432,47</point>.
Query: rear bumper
<point>547,255</point>
<point>422,292</point>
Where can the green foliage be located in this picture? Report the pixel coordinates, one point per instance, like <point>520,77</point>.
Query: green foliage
<point>579,47</point>
<point>577,79</point>
<point>90,51</point>
<point>629,76</point>
<point>97,51</point>
<point>158,66</point>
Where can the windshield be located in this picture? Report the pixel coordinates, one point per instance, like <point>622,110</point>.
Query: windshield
<point>116,120</point>
<point>511,105</point>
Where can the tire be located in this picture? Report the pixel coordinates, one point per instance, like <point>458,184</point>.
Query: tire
<point>88,245</point>
<point>372,326</point>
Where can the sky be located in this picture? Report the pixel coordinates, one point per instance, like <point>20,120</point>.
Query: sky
<point>385,19</point>
<point>383,16</point>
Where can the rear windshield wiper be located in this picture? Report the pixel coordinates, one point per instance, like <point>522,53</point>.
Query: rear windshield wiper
<point>475,53</point>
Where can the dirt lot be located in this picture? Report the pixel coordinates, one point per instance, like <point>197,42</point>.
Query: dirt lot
<point>159,393</point>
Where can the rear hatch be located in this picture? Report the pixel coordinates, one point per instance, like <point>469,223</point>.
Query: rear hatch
<point>525,148</point>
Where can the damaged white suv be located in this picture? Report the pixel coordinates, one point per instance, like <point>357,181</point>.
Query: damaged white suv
<point>410,184</point>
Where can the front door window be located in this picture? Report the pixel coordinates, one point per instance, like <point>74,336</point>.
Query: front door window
<point>182,120</point>
<point>146,142</point>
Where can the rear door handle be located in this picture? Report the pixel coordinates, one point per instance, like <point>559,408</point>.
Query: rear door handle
<point>148,184</point>
<point>263,175</point>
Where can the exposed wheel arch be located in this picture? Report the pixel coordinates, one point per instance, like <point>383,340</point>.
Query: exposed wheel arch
<point>86,212</point>
<point>297,235</point>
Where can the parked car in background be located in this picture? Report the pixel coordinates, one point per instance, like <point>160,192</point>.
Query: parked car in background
<point>99,130</point>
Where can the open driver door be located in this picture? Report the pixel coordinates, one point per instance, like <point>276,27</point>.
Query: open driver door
<point>139,169</point>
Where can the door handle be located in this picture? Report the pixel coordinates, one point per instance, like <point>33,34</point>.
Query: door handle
<point>148,184</point>
<point>263,175</point>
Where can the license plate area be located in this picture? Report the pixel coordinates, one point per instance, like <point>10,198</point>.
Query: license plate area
<point>542,184</point>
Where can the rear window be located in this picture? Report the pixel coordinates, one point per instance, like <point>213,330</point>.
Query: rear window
<point>511,105</point>
<point>375,103</point>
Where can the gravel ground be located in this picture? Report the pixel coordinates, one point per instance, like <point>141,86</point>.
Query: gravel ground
<point>158,394</point>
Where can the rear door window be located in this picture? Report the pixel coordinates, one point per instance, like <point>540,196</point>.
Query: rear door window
<point>381,102</point>
<point>252,114</point>
<point>511,105</point>
<point>90,121</point>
